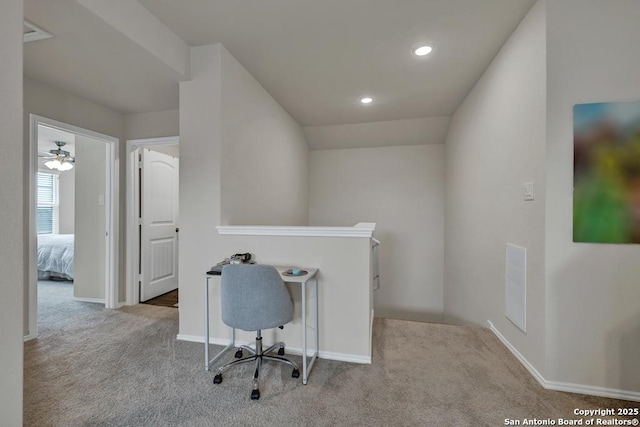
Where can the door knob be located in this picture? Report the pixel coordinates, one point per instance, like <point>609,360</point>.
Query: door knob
<point>177,230</point>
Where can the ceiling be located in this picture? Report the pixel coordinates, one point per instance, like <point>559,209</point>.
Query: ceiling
<point>316,58</point>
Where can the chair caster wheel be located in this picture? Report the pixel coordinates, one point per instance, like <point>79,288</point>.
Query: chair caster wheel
<point>295,373</point>
<point>217,379</point>
<point>281,351</point>
<point>255,394</point>
<point>238,354</point>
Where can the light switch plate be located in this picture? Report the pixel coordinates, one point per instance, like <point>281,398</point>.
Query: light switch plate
<point>528,191</point>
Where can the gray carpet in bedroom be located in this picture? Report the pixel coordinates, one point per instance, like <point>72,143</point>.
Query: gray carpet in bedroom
<point>97,367</point>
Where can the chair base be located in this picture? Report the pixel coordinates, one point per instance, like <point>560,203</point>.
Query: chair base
<point>257,356</point>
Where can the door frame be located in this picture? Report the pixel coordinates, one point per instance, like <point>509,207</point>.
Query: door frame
<point>132,213</point>
<point>111,210</point>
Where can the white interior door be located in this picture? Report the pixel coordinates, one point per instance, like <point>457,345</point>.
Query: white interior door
<point>159,224</point>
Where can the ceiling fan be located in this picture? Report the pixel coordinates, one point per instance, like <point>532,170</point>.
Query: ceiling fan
<point>58,158</point>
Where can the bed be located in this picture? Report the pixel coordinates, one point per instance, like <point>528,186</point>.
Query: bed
<point>55,256</point>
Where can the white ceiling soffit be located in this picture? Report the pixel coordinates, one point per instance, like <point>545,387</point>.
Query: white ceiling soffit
<point>429,130</point>
<point>317,58</point>
<point>90,58</point>
<point>31,33</point>
<point>136,22</point>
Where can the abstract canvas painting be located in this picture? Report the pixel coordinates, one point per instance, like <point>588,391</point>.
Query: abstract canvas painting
<point>606,172</point>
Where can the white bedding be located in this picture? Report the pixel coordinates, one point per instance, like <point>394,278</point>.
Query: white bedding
<point>55,256</point>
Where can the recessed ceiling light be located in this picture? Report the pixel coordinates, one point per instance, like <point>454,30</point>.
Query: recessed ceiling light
<point>366,100</point>
<point>422,50</point>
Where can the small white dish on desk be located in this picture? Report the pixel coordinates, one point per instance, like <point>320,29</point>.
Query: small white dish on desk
<point>295,272</point>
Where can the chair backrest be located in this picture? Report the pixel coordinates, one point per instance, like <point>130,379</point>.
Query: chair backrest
<point>254,297</point>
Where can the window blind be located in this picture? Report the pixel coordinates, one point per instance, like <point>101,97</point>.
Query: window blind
<point>47,196</point>
<point>45,220</point>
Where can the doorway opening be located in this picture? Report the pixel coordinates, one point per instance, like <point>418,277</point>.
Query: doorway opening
<point>152,219</point>
<point>73,209</point>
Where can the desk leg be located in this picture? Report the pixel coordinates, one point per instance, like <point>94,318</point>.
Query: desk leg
<point>306,367</point>
<point>206,323</point>
<point>315,323</point>
<point>317,319</point>
<point>304,332</point>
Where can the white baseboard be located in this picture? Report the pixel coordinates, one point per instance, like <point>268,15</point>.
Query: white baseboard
<point>94,300</point>
<point>594,391</point>
<point>561,386</point>
<point>533,371</point>
<point>343,357</point>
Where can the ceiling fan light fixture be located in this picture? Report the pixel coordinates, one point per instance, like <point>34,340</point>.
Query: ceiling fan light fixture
<point>53,164</point>
<point>65,166</point>
<point>59,165</point>
<point>62,160</point>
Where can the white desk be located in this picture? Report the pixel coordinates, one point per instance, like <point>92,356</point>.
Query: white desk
<point>309,278</point>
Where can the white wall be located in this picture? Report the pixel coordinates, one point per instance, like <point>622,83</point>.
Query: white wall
<point>496,142</point>
<point>12,211</point>
<point>152,125</point>
<point>593,316</point>
<point>67,196</point>
<point>225,114</point>
<point>264,172</point>
<point>65,107</point>
<point>170,150</point>
<point>401,189</point>
<point>90,224</point>
<point>199,181</point>
<point>425,130</point>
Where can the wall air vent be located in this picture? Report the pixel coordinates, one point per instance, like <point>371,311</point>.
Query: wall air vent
<point>31,32</point>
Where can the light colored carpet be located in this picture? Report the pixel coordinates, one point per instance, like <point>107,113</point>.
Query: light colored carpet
<point>97,367</point>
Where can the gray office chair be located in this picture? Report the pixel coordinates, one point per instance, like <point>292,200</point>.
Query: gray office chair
<point>254,297</point>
